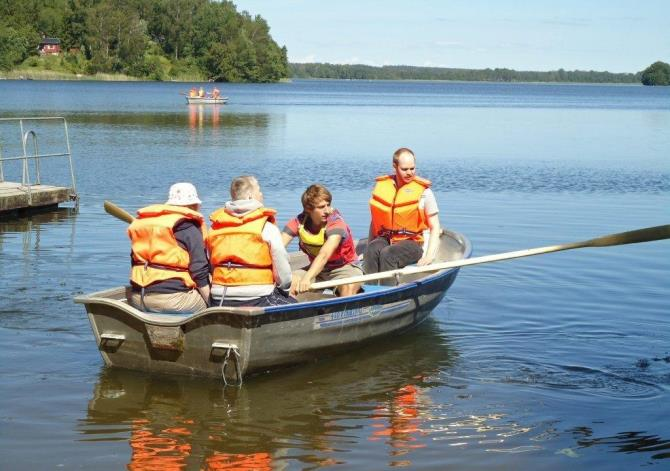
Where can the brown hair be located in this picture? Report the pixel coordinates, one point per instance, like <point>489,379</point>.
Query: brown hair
<point>313,194</point>
<point>401,151</point>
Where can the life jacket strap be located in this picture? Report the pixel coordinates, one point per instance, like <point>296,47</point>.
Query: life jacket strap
<point>389,233</point>
<point>230,265</point>
<point>158,266</point>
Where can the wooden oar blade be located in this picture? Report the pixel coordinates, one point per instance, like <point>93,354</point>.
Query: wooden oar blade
<point>117,212</point>
<point>647,234</point>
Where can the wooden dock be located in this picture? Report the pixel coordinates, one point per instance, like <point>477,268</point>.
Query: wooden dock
<point>16,198</point>
<point>26,162</point>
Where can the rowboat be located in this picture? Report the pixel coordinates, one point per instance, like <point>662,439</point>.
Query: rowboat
<point>197,100</point>
<point>232,343</point>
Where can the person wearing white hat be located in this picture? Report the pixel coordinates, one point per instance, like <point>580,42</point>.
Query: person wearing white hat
<point>170,269</point>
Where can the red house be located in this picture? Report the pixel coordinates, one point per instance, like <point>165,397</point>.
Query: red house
<point>49,46</point>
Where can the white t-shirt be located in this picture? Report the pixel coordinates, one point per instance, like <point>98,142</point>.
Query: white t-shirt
<point>428,203</point>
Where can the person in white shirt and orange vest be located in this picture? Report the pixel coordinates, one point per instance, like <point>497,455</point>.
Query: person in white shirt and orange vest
<point>249,263</point>
<point>402,209</point>
<point>170,270</point>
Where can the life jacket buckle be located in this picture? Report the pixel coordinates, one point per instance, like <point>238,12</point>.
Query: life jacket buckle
<point>389,233</point>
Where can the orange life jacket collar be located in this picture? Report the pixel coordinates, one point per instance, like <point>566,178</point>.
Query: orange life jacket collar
<point>225,218</point>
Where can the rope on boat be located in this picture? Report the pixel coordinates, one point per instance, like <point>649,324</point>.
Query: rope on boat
<point>236,361</point>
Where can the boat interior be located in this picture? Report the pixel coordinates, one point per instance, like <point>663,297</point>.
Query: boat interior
<point>453,246</point>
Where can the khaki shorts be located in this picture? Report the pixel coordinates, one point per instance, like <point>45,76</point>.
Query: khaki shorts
<point>345,271</point>
<point>186,302</point>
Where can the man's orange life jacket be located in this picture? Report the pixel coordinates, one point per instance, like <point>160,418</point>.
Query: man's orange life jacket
<point>155,254</point>
<point>395,211</point>
<point>238,253</point>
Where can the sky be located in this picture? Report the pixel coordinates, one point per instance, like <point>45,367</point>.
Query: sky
<point>614,35</point>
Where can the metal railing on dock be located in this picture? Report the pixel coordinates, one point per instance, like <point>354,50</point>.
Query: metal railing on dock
<point>22,195</point>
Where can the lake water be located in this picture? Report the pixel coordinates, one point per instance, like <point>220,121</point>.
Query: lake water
<point>548,362</point>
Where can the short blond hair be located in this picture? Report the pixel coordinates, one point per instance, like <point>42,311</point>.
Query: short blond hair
<point>242,187</point>
<point>402,151</point>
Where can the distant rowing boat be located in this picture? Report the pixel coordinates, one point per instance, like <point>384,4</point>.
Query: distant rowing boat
<point>234,342</point>
<point>197,100</point>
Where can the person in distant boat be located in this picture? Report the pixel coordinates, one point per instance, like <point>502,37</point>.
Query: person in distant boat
<point>170,270</point>
<point>402,207</point>
<point>216,93</point>
<point>193,92</point>
<point>249,263</point>
<point>201,92</point>
<point>326,239</point>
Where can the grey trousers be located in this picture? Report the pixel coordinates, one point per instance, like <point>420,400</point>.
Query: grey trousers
<point>380,255</point>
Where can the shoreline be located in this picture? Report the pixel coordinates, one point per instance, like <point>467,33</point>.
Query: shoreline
<point>55,76</point>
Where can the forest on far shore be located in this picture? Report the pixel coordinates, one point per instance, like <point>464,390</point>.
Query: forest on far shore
<point>405,72</point>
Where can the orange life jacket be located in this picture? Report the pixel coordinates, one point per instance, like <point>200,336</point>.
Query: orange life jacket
<point>155,254</point>
<point>238,253</point>
<point>395,211</point>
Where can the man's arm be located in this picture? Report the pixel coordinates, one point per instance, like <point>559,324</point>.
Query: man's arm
<point>431,213</point>
<point>286,238</point>
<point>433,241</point>
<point>290,231</point>
<point>319,262</point>
<point>280,264</point>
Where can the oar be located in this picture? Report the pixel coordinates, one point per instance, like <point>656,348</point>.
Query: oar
<point>115,211</point>
<point>647,234</point>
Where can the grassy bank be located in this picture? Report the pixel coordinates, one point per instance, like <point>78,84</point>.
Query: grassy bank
<point>32,74</point>
<point>77,67</point>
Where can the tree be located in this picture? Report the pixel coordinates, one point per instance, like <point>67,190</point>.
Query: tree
<point>172,24</point>
<point>15,45</point>
<point>657,73</point>
<point>145,38</point>
<point>75,25</point>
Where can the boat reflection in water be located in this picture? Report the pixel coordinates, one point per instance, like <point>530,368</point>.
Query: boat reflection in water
<point>307,415</point>
<point>398,422</point>
<point>198,113</point>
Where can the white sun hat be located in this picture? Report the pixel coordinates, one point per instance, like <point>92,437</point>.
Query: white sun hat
<point>183,194</point>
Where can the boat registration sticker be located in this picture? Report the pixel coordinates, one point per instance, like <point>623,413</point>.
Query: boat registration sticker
<point>357,315</point>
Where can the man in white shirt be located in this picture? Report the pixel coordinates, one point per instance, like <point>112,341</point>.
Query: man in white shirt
<point>402,209</point>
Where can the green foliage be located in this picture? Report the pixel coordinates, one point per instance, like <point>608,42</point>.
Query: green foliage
<point>151,39</point>
<point>15,45</point>
<point>402,72</point>
<point>657,73</point>
<point>186,70</point>
<point>73,64</point>
<point>76,63</point>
